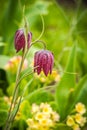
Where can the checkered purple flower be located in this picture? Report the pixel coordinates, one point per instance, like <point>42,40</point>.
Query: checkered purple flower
<point>19,40</point>
<point>43,61</point>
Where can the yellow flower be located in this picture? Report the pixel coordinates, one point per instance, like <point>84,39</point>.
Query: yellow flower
<point>39,116</point>
<point>44,128</point>
<point>30,121</point>
<point>42,79</point>
<point>70,121</point>
<point>80,119</point>
<point>55,75</point>
<point>80,108</point>
<point>50,78</point>
<point>46,108</point>
<point>43,117</point>
<point>33,124</point>
<point>18,116</point>
<point>46,122</point>
<point>76,127</point>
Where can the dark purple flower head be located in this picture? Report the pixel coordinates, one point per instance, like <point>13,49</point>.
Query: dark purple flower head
<point>43,61</point>
<point>20,40</point>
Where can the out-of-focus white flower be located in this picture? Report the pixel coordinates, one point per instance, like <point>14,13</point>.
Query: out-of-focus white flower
<point>55,116</point>
<point>35,108</point>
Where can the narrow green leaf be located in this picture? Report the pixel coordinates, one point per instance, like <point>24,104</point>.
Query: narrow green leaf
<point>66,84</point>
<point>81,91</point>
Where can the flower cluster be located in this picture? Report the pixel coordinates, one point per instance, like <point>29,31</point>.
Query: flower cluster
<point>43,59</point>
<point>77,120</point>
<point>13,63</point>
<point>43,117</point>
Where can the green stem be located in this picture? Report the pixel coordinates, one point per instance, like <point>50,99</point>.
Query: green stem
<point>18,105</point>
<point>14,93</point>
<point>42,29</point>
<point>44,44</point>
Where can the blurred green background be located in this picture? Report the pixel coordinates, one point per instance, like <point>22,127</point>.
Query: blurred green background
<point>65,24</point>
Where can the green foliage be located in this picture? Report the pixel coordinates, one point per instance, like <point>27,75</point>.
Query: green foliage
<point>62,127</point>
<point>25,110</point>
<point>3,117</point>
<point>39,96</point>
<point>68,93</point>
<point>3,111</point>
<point>81,91</point>
<point>67,83</point>
<point>4,59</point>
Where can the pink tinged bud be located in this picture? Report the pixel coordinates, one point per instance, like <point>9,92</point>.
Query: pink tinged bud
<point>20,40</point>
<point>43,61</point>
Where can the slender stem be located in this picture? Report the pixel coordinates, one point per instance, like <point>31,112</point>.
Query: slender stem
<point>42,29</point>
<point>14,93</point>
<point>44,44</point>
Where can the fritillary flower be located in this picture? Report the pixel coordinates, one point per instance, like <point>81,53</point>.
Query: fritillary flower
<point>20,41</point>
<point>43,61</point>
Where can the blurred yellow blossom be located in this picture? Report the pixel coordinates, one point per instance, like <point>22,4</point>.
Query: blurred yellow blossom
<point>79,118</point>
<point>39,116</point>
<point>46,122</point>
<point>70,121</point>
<point>33,125</point>
<point>80,108</point>
<point>13,63</point>
<point>46,108</point>
<point>54,77</point>
<point>76,127</point>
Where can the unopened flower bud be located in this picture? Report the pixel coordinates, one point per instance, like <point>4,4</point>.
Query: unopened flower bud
<point>43,61</point>
<point>20,40</point>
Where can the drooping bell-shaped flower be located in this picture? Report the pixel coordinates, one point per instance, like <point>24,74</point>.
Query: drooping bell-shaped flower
<point>19,40</point>
<point>43,61</point>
